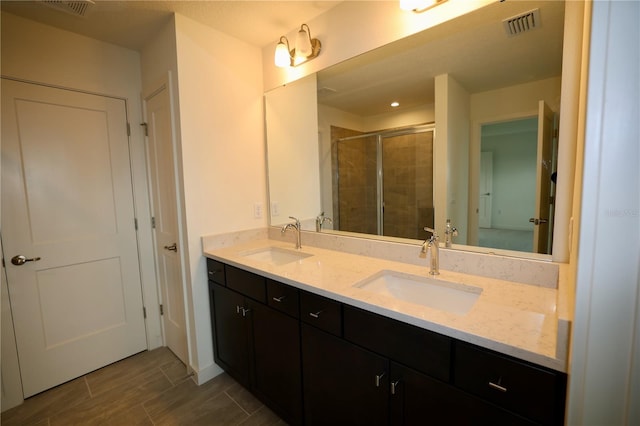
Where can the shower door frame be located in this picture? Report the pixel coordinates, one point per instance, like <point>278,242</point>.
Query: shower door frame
<point>380,136</point>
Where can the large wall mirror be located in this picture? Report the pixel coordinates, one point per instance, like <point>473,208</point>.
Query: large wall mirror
<point>473,139</point>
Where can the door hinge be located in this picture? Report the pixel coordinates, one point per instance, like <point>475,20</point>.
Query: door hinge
<point>135,222</point>
<point>161,310</point>
<point>128,129</point>
<point>153,222</point>
<point>146,128</point>
<point>144,312</point>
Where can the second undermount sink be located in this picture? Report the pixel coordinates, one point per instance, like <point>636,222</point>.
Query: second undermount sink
<point>426,291</point>
<point>275,255</point>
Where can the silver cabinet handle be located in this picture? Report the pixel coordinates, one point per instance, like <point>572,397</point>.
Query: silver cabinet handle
<point>497,386</point>
<point>21,260</point>
<point>172,247</point>
<point>242,310</point>
<point>315,315</point>
<point>279,299</point>
<point>394,386</point>
<point>378,378</point>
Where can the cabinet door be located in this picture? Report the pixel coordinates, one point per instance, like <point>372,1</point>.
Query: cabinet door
<point>343,384</point>
<point>231,344</point>
<point>417,399</point>
<point>277,371</point>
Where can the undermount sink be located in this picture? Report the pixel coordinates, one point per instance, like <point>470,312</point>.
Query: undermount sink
<point>426,291</point>
<point>275,255</point>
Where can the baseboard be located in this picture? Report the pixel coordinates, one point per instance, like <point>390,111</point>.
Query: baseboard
<point>207,373</point>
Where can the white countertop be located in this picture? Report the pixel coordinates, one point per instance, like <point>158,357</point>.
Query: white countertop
<point>516,319</point>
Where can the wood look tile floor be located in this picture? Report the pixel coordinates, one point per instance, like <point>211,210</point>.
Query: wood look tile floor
<point>150,388</point>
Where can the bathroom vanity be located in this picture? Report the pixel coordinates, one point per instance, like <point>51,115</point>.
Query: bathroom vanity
<point>327,337</point>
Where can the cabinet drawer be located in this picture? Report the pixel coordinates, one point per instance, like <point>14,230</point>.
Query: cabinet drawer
<point>215,271</point>
<point>247,283</point>
<point>420,349</point>
<point>283,297</point>
<point>321,312</point>
<point>528,390</point>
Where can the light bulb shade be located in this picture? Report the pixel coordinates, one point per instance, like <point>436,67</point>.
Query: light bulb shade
<point>282,55</point>
<point>409,4</point>
<point>303,43</point>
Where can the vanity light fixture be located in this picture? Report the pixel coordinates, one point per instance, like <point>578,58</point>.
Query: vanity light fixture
<point>419,6</point>
<point>306,48</point>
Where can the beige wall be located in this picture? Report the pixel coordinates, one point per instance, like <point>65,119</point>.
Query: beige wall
<point>355,27</point>
<point>219,82</point>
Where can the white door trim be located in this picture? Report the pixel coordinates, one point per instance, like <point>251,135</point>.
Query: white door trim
<point>166,82</point>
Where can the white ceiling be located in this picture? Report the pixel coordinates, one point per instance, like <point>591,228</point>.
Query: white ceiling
<point>132,23</point>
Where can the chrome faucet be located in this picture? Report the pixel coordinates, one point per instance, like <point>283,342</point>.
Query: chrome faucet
<point>296,227</point>
<point>449,233</point>
<point>320,220</point>
<point>432,243</point>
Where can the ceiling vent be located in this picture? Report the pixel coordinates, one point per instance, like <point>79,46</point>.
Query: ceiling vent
<point>72,7</point>
<point>522,23</point>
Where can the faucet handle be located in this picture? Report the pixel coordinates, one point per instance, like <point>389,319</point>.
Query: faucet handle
<point>433,231</point>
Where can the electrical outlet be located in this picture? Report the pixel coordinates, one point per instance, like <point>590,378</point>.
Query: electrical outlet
<point>275,209</point>
<point>257,210</point>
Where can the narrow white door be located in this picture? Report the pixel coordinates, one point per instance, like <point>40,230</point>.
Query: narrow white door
<point>68,233</point>
<point>486,189</point>
<point>163,190</point>
<point>541,238</point>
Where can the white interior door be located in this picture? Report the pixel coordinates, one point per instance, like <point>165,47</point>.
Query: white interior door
<point>541,237</point>
<point>486,189</point>
<point>163,190</point>
<point>67,208</point>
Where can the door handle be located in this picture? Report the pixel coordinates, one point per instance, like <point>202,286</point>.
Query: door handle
<point>537,221</point>
<point>172,247</point>
<point>21,260</point>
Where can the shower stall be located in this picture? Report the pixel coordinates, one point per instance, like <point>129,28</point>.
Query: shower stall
<point>383,181</point>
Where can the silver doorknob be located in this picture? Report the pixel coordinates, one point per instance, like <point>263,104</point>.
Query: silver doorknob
<point>21,260</point>
<point>172,247</point>
<point>537,221</point>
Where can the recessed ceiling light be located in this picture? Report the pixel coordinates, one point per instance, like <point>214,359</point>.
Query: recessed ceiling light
<point>395,104</point>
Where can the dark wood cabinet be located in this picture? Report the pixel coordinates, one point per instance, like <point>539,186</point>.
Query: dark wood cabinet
<point>417,399</point>
<point>256,344</point>
<point>321,312</point>
<point>231,342</point>
<point>420,349</point>
<point>277,371</point>
<point>521,387</point>
<point>343,383</point>
<point>316,361</point>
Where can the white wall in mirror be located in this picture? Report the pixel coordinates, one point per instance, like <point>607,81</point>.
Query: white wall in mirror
<point>292,132</point>
<point>451,156</point>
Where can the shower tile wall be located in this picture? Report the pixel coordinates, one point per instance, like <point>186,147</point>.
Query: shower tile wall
<point>354,186</point>
<point>408,183</point>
